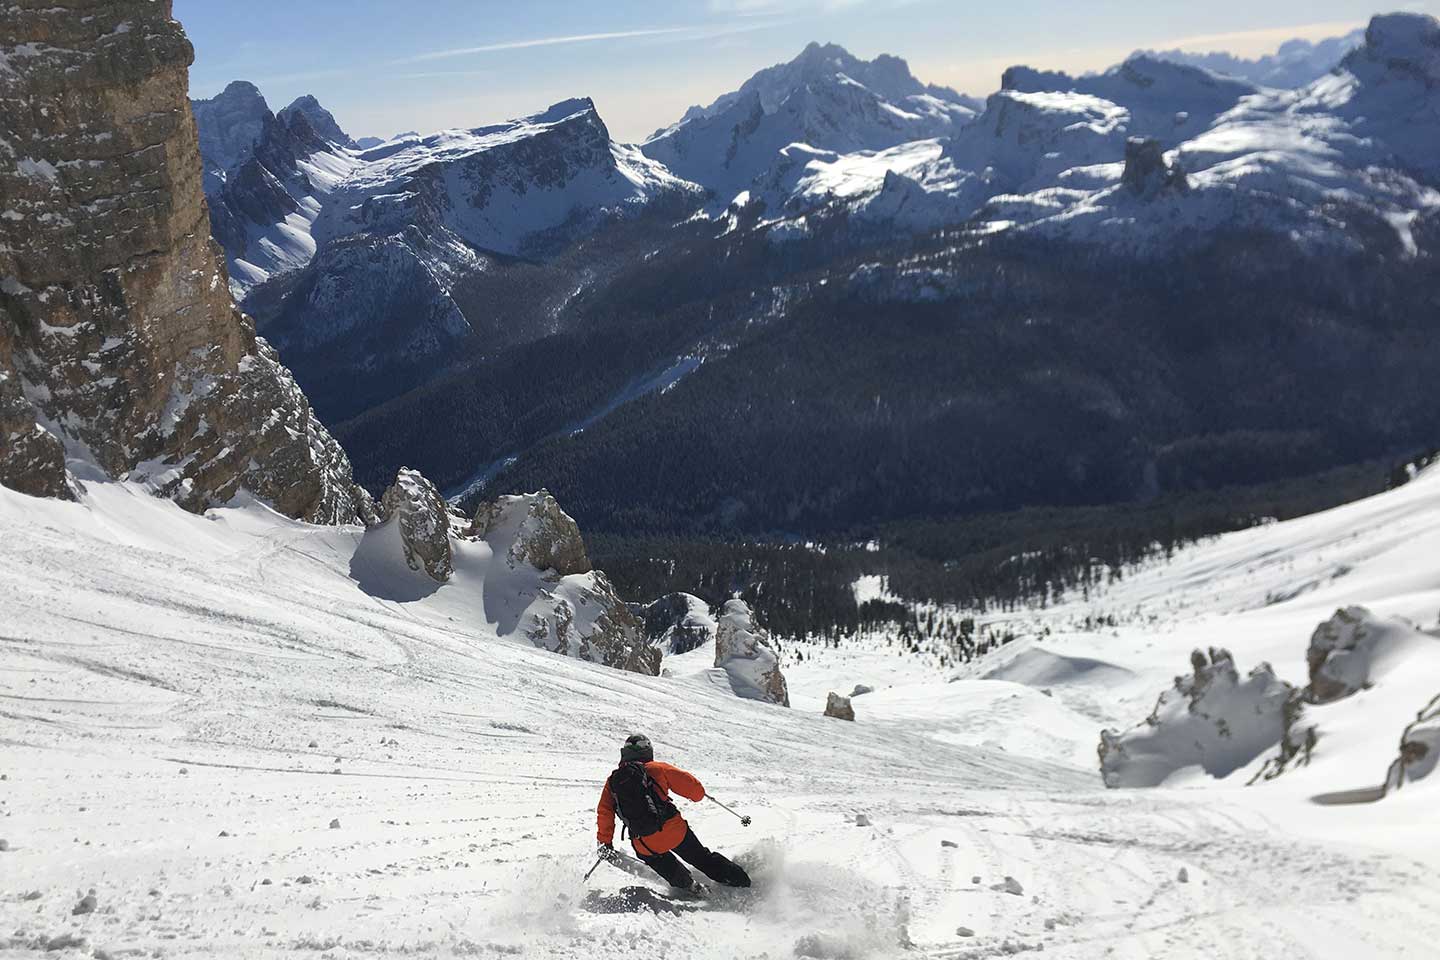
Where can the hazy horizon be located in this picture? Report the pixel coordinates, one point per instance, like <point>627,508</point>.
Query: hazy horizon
<point>382,69</point>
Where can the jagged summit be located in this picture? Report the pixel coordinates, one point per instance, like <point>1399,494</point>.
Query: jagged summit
<point>825,100</point>
<point>229,124</point>
<point>887,76</point>
<point>1403,44</point>
<point>322,120</point>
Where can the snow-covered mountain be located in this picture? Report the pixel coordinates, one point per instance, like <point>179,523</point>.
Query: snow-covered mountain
<point>264,213</point>
<point>1331,163</point>
<point>1296,63</point>
<point>506,188</point>
<point>825,100</point>
<point>229,124</point>
<point>265,175</point>
<point>400,226</point>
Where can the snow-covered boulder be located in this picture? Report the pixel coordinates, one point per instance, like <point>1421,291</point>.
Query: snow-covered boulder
<point>416,507</point>
<point>743,651</point>
<point>556,600</point>
<point>583,617</point>
<point>1419,748</point>
<point>537,532</point>
<point>1368,678</point>
<point>1342,653</point>
<point>678,623</point>
<point>839,707</point>
<point>1211,719</point>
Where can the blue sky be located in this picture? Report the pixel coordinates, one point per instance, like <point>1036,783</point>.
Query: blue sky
<point>382,66</point>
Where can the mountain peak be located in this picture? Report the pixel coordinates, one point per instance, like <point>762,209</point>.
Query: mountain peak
<point>240,89</point>
<point>565,110</point>
<point>1401,42</point>
<point>322,121</point>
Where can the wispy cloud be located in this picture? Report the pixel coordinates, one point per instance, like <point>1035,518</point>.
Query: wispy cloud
<point>1247,42</point>
<point>540,42</point>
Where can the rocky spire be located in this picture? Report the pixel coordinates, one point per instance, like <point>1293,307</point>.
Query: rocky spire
<point>119,345</point>
<point>1146,171</point>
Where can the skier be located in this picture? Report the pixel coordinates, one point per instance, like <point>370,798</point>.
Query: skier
<point>639,790</point>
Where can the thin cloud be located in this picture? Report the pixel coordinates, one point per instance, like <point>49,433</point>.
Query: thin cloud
<point>1268,38</point>
<point>541,42</point>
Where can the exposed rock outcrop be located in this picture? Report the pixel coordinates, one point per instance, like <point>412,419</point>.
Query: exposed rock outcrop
<point>321,120</point>
<point>538,532</point>
<point>678,623</point>
<point>1147,173</point>
<point>839,707</point>
<point>744,652</point>
<point>416,506</point>
<point>576,610</point>
<point>1342,650</point>
<point>589,621</point>
<point>1349,654</point>
<point>119,345</point>
<point>1211,719</point>
<point>228,125</point>
<point>1419,749</point>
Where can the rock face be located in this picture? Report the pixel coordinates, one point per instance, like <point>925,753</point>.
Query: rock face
<point>1211,719</point>
<point>262,211</point>
<point>839,707</point>
<point>417,507</point>
<point>1146,171</point>
<point>743,651</point>
<point>119,345</point>
<point>539,533</point>
<point>575,610</point>
<point>229,124</point>
<point>678,623</point>
<point>321,120</point>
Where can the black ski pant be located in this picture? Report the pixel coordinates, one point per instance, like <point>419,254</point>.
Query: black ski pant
<point>693,852</point>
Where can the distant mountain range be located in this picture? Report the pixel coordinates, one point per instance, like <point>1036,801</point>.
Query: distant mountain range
<point>1295,64</point>
<point>838,296</point>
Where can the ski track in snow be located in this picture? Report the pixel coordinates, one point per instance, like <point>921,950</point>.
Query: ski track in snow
<point>166,679</point>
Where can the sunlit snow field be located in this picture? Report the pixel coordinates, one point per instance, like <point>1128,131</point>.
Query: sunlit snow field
<point>188,703</point>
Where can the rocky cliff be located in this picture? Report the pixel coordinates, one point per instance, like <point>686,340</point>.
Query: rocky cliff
<point>120,348</point>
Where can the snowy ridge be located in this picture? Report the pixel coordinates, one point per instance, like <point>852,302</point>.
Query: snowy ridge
<point>1332,164</point>
<point>825,101</point>
<point>503,186</point>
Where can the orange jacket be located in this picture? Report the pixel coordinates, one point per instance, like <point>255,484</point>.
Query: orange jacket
<point>667,778</point>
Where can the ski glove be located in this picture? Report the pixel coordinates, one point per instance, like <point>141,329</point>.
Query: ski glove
<point>605,851</point>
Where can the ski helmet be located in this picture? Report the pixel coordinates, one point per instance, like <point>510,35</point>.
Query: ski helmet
<point>637,747</point>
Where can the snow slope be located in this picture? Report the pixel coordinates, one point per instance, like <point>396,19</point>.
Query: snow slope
<point>190,701</point>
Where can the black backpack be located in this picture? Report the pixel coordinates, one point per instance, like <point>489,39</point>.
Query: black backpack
<point>641,806</point>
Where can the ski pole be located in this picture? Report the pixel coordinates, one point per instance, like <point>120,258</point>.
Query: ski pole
<point>600,860</point>
<point>744,821</point>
